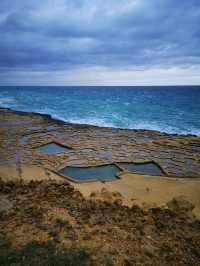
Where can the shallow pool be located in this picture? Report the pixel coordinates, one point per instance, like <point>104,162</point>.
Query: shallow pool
<point>145,168</point>
<point>52,148</point>
<point>103,173</point>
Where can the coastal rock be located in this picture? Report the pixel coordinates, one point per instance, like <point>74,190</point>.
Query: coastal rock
<point>178,156</point>
<point>150,250</point>
<point>107,196</point>
<point>5,204</point>
<point>47,211</point>
<point>180,204</point>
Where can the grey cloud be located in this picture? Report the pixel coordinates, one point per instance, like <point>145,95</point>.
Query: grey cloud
<point>68,34</point>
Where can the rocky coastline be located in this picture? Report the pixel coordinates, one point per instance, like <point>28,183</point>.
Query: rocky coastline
<point>21,132</point>
<point>48,220</point>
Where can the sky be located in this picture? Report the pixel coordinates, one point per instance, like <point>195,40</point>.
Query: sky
<point>100,42</point>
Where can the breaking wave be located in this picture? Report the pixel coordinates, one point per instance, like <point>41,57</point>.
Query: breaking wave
<point>175,111</point>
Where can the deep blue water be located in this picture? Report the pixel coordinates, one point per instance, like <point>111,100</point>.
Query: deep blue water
<point>168,109</point>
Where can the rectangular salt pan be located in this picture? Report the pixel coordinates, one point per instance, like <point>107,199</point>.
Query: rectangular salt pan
<point>102,173</point>
<point>144,168</point>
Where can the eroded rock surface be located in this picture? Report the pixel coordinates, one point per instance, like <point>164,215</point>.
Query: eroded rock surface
<point>55,215</point>
<point>112,234</point>
<point>21,133</point>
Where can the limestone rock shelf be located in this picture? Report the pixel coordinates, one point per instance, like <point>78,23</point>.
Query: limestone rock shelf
<point>21,133</point>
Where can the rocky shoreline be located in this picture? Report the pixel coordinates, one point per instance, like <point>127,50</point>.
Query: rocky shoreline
<point>48,217</point>
<point>21,133</point>
<point>55,222</point>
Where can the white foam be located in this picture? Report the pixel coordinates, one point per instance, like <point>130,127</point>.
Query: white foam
<point>75,120</point>
<point>10,102</point>
<point>6,101</point>
<point>45,110</point>
<point>138,125</point>
<point>164,128</point>
<point>91,121</point>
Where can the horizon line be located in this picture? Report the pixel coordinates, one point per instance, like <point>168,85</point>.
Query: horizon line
<point>178,85</point>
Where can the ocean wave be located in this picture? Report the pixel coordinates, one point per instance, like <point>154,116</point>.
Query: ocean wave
<point>137,125</point>
<point>117,112</point>
<point>46,111</point>
<point>6,101</point>
<point>9,102</point>
<point>105,122</point>
<point>88,121</point>
<point>164,128</point>
<point>75,120</point>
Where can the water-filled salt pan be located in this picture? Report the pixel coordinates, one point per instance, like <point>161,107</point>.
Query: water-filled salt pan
<point>52,148</point>
<point>103,173</point>
<point>144,168</point>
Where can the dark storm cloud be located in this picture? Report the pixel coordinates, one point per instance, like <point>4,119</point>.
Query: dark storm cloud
<point>61,34</point>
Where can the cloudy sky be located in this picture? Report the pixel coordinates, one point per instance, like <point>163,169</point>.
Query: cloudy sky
<point>99,42</point>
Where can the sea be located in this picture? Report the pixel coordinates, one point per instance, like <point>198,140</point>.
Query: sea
<point>170,109</point>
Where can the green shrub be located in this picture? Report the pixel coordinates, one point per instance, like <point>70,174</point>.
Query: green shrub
<point>46,254</point>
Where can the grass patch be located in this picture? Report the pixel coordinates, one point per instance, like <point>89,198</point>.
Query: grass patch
<point>46,254</point>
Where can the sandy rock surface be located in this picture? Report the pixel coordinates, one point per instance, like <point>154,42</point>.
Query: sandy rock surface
<point>21,133</point>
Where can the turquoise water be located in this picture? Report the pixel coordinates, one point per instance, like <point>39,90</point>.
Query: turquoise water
<point>52,148</point>
<point>168,109</point>
<point>145,168</point>
<point>102,173</point>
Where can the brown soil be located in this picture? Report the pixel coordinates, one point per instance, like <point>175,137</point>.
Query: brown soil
<point>111,233</point>
<point>103,222</point>
<point>144,190</point>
